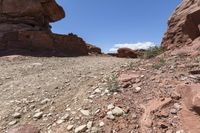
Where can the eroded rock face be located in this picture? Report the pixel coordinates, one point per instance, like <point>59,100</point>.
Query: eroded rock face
<point>93,49</point>
<point>183,26</point>
<point>126,53</point>
<point>23,15</point>
<point>25,28</point>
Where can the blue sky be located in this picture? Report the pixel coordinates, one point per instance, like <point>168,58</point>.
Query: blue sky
<point>113,23</point>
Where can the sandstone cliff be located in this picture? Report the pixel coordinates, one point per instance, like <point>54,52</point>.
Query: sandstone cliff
<point>183,26</point>
<point>25,28</point>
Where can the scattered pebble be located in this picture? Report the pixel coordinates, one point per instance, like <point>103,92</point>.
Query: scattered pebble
<point>65,117</point>
<point>117,111</point>
<point>173,111</point>
<point>95,130</point>
<point>101,124</point>
<point>110,115</point>
<point>89,125</point>
<point>85,112</point>
<point>16,115</point>
<point>138,89</point>
<point>180,131</point>
<point>70,127</point>
<point>177,106</point>
<point>12,123</point>
<point>45,101</point>
<point>110,106</point>
<point>97,91</point>
<point>60,121</point>
<point>80,129</point>
<point>38,115</point>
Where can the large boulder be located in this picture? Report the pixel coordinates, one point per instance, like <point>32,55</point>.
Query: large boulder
<point>183,26</point>
<point>25,29</point>
<point>126,53</point>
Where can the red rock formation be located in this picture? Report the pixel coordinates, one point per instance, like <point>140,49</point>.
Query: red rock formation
<point>126,53</point>
<point>183,26</point>
<point>24,28</point>
<point>93,49</point>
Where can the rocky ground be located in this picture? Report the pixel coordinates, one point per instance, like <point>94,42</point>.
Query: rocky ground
<point>99,94</point>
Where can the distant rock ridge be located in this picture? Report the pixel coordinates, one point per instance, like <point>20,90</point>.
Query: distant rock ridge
<point>25,28</point>
<point>184,28</point>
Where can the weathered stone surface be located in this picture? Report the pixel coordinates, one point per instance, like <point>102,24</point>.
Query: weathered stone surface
<point>29,14</point>
<point>24,129</point>
<point>93,49</point>
<point>126,53</point>
<point>191,107</point>
<point>25,29</point>
<point>183,26</point>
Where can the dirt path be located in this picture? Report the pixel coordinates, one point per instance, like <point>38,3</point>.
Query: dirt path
<point>100,94</point>
<point>49,86</point>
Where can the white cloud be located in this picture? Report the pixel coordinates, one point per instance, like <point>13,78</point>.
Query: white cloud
<point>134,46</point>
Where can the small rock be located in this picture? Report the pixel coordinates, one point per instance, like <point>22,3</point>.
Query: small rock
<point>134,116</point>
<point>38,115</point>
<point>163,125</point>
<point>16,115</point>
<point>138,89</point>
<point>37,64</point>
<point>177,106</point>
<point>101,124</point>
<point>95,130</point>
<point>110,106</point>
<point>73,112</point>
<point>164,113</point>
<point>97,91</point>
<point>117,111</point>
<point>91,96</point>
<point>110,115</point>
<point>89,124</point>
<point>60,121</point>
<point>12,123</point>
<point>70,127</point>
<point>175,95</point>
<point>80,129</point>
<point>97,111</point>
<point>45,101</point>
<point>126,85</point>
<point>169,131</point>
<point>173,111</point>
<point>68,109</point>
<point>85,112</point>
<point>180,131</point>
<point>65,117</point>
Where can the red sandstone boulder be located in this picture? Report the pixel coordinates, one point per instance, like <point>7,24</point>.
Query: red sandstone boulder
<point>71,45</point>
<point>24,129</point>
<point>126,53</point>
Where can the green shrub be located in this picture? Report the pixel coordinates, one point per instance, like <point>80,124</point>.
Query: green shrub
<point>112,84</point>
<point>153,52</point>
